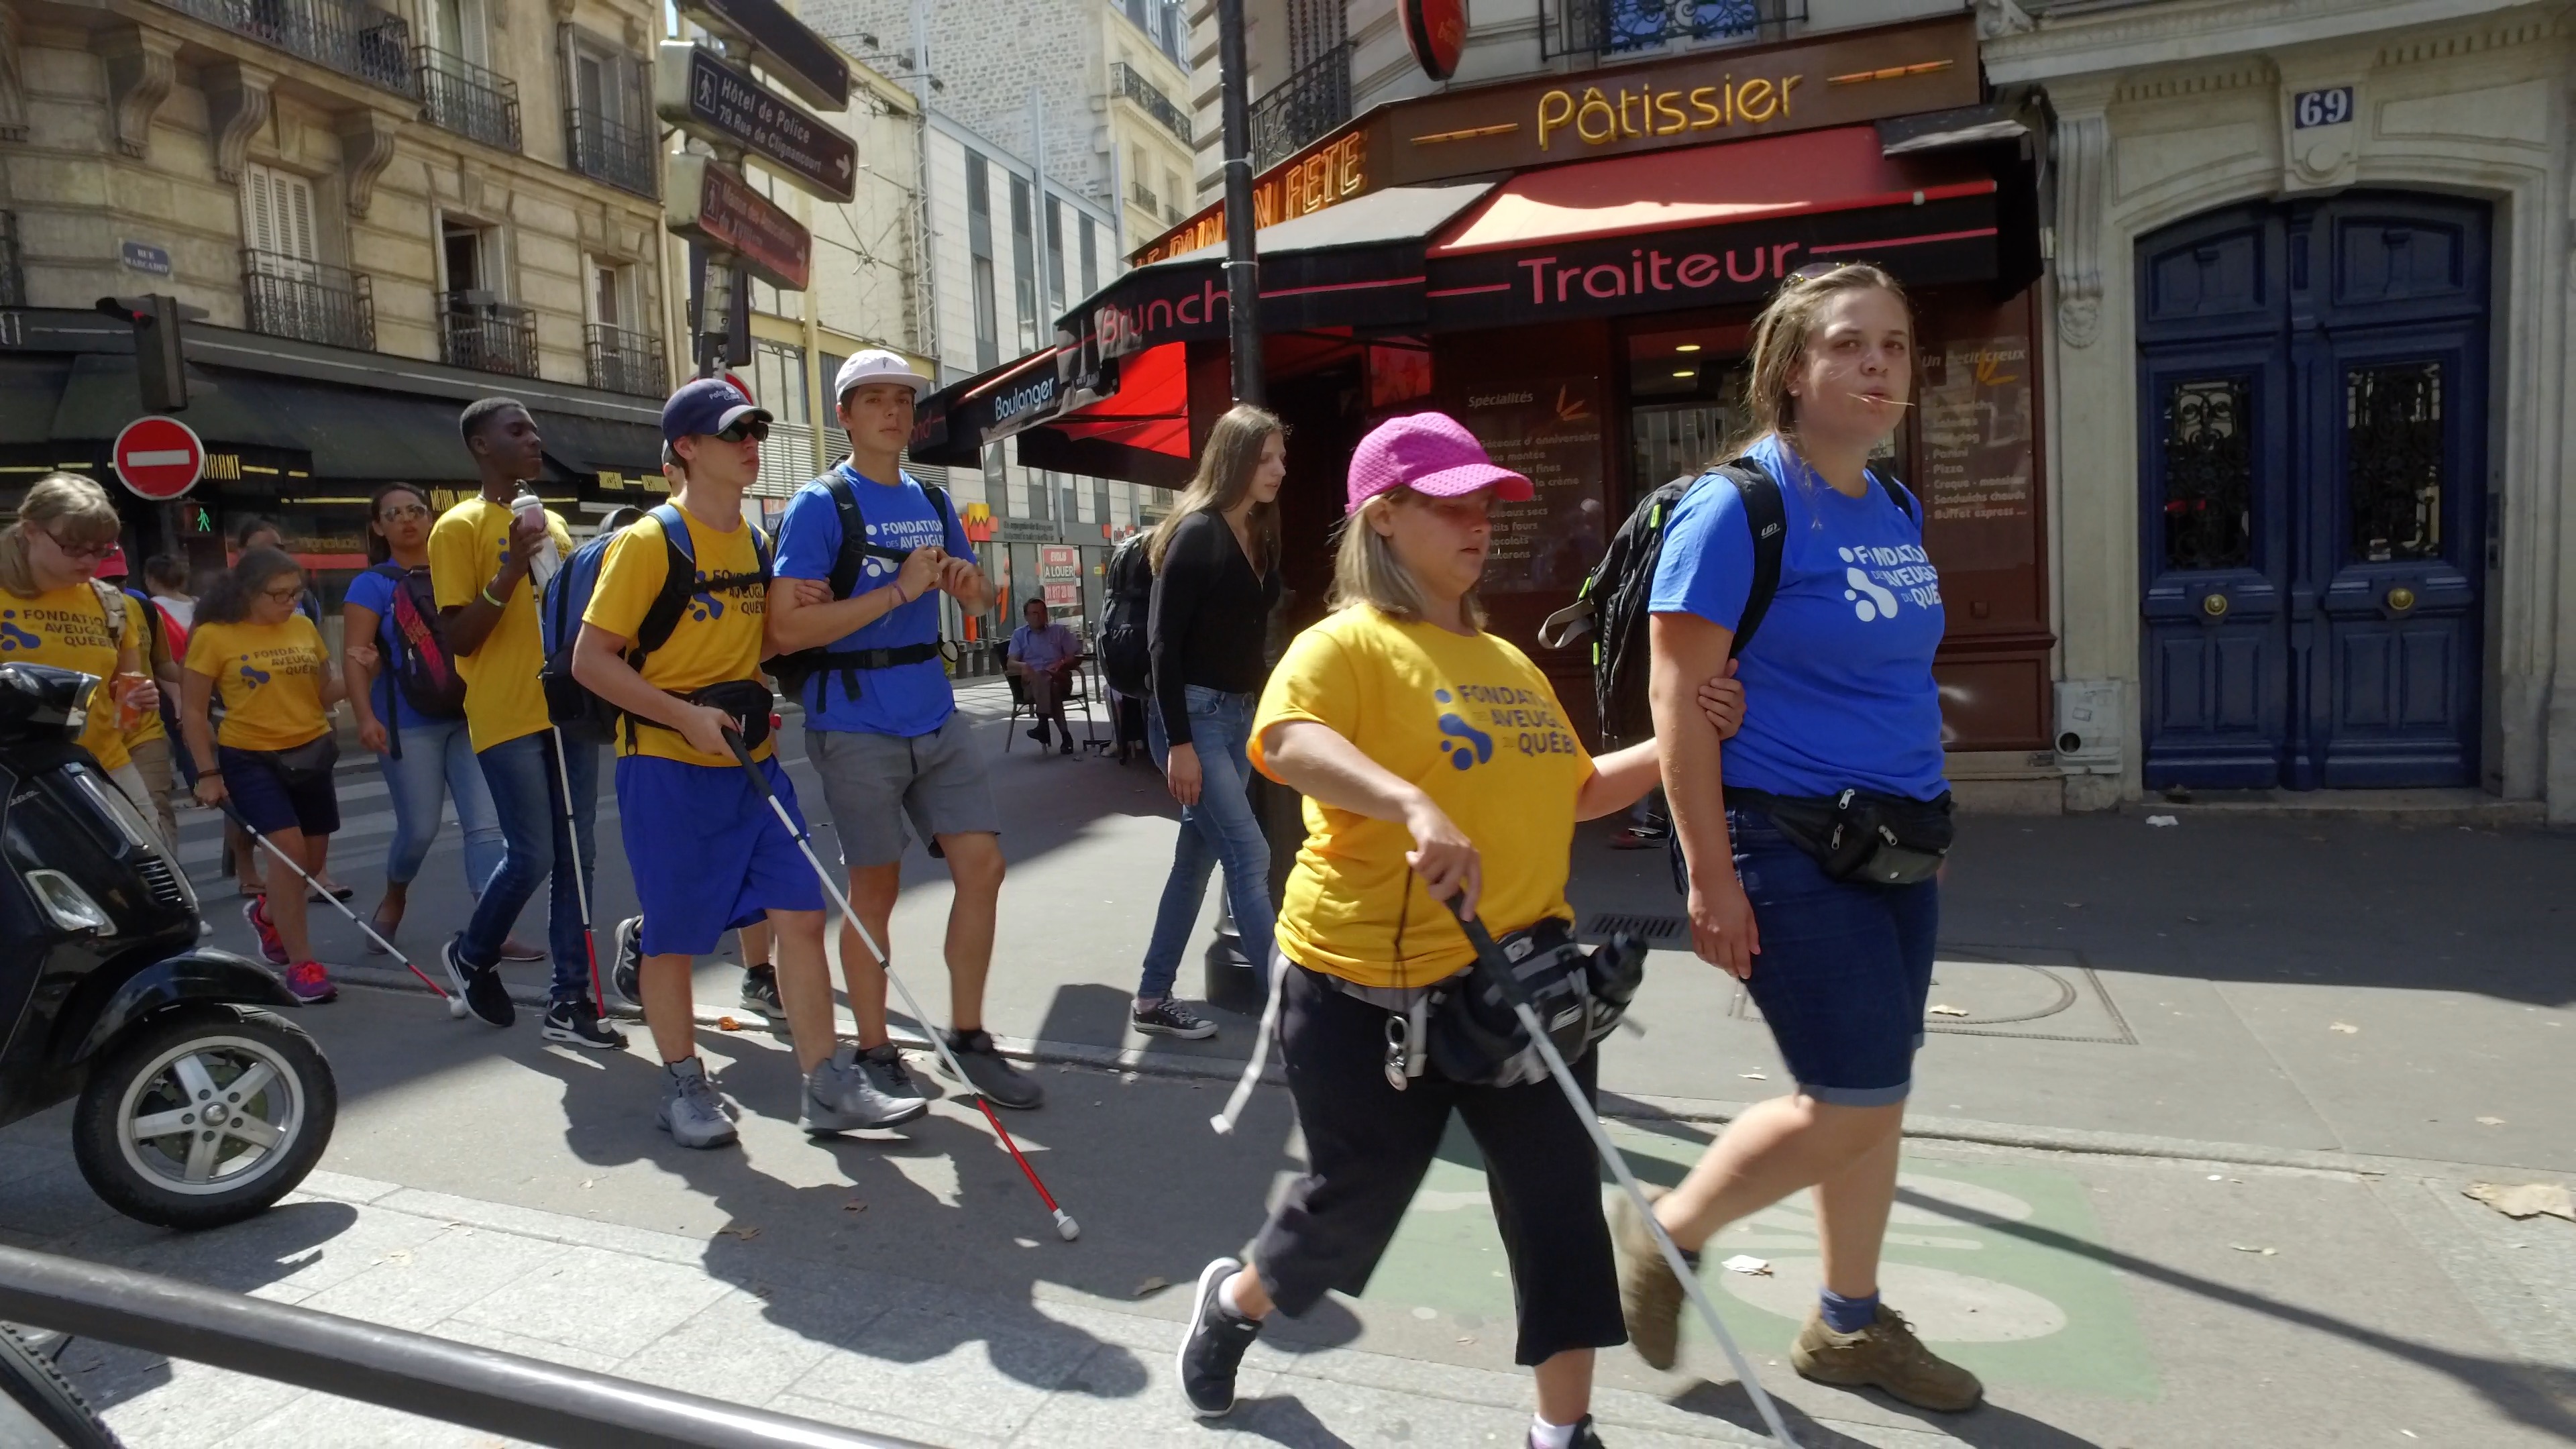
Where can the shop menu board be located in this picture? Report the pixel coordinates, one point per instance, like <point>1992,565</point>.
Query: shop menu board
<point>1976,437</point>
<point>1549,432</point>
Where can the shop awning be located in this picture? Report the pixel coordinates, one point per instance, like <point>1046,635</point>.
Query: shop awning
<point>1141,432</point>
<point>358,435</point>
<point>226,409</point>
<point>579,446</point>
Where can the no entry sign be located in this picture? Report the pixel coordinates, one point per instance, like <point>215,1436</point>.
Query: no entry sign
<point>159,458</point>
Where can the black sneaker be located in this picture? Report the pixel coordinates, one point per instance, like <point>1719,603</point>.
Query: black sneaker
<point>1068,745</point>
<point>1213,1348</point>
<point>1040,733</point>
<point>626,970</point>
<point>1169,1018</point>
<point>760,994</point>
<point>576,1023</point>
<point>1585,1437</point>
<point>481,987</point>
<point>1002,1084</point>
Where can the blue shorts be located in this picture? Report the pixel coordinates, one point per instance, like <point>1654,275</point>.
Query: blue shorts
<point>264,794</point>
<point>706,852</point>
<point>1845,971</point>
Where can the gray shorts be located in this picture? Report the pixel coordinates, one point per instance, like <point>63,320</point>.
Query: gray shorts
<point>938,779</point>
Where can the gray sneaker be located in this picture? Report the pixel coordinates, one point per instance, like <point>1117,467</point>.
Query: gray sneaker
<point>853,1091</point>
<point>692,1111</point>
<point>1000,1083</point>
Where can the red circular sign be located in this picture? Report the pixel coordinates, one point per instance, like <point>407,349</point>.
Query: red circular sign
<point>159,458</point>
<point>1437,31</point>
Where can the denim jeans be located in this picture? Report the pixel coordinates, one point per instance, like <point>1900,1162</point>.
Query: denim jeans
<point>437,764</point>
<point>1221,828</point>
<point>527,796</point>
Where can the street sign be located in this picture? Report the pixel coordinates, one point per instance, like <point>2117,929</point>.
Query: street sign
<point>159,458</point>
<point>795,57</point>
<point>702,95</point>
<point>147,258</point>
<point>704,202</point>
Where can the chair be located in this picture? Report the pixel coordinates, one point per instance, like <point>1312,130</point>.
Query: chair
<point>1077,691</point>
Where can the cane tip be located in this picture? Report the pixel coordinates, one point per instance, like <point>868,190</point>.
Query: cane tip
<point>1223,1124</point>
<point>1065,1227</point>
<point>456,1008</point>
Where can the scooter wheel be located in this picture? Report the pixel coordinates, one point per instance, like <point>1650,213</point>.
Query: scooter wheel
<point>42,1407</point>
<point>203,1116</point>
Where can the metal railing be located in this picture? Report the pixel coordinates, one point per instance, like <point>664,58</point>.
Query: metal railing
<point>1302,107</point>
<point>478,1388</point>
<point>486,335</point>
<point>1125,80</point>
<point>1143,195</point>
<point>623,361</point>
<point>351,38</point>
<point>1171,215</point>
<point>606,150</point>
<point>286,297</point>
<point>460,96</point>
<point>1625,27</point>
<point>13,275</point>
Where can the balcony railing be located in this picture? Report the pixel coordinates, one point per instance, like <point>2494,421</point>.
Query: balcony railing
<point>463,97</point>
<point>605,150</point>
<point>489,336</point>
<point>1625,27</point>
<point>1301,108</point>
<point>13,276</point>
<point>1126,80</point>
<point>285,297</point>
<point>351,38</point>
<point>1171,215</point>
<point>623,361</point>
<point>1143,195</point>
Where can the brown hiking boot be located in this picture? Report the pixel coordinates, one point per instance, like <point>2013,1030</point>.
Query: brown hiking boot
<point>1650,1297</point>
<point>1884,1355</point>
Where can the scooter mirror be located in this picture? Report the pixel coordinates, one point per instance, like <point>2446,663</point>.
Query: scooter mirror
<point>39,700</point>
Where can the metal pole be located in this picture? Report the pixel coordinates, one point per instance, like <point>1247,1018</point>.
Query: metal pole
<point>1242,270</point>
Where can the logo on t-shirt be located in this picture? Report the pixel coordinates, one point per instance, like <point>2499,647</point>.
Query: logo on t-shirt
<point>904,535</point>
<point>252,678</point>
<point>13,637</point>
<point>1464,744</point>
<point>704,604</point>
<point>1876,574</point>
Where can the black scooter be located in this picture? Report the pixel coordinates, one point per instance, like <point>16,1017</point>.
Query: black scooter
<point>199,1105</point>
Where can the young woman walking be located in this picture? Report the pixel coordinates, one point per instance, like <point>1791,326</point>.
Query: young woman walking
<point>1216,577</point>
<point>1841,673</point>
<point>274,754</point>
<point>54,610</point>
<point>390,626</point>
<point>1436,766</point>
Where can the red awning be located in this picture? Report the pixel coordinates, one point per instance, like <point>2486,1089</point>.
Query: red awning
<point>1150,410</point>
<point>1757,180</point>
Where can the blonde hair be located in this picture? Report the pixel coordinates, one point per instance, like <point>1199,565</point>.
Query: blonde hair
<point>68,506</point>
<point>1779,344</point>
<point>1226,466</point>
<point>1367,572</point>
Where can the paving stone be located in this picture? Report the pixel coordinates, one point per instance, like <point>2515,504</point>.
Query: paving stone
<point>749,1348</point>
<point>985,1374</point>
<point>826,1411</point>
<point>553,1227</point>
<point>606,1304</point>
<point>418,1287</point>
<point>319,1419</point>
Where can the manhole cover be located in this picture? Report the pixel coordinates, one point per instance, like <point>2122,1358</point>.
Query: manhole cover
<point>2008,993</point>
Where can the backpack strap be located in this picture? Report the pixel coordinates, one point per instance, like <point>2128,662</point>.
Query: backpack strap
<point>111,605</point>
<point>679,571</point>
<point>1768,518</point>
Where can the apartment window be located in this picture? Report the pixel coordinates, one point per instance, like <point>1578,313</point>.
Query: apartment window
<point>1055,255</point>
<point>624,355</point>
<point>1041,491</point>
<point>609,138</point>
<point>1090,257</point>
<point>477,328</point>
<point>286,291</point>
<point>277,215</point>
<point>778,381</point>
<point>1024,265</point>
<point>997,481</point>
<point>979,245</point>
<point>829,370</point>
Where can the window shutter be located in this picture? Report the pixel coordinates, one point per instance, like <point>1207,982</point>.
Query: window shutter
<point>258,223</point>
<point>295,220</point>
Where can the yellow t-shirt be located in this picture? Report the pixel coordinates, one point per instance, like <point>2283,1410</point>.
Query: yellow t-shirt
<point>718,636</point>
<point>138,628</point>
<point>503,697</point>
<point>269,677</point>
<point>67,628</point>
<point>1476,726</point>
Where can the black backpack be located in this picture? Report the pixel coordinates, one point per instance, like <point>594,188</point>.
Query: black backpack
<point>794,670</point>
<point>1611,606</point>
<point>580,714</point>
<point>1126,661</point>
<point>421,667</point>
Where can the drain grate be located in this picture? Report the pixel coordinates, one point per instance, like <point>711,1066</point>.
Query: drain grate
<point>1651,928</point>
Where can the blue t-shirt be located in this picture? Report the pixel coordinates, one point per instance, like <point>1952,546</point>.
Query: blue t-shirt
<point>373,591</point>
<point>908,699</point>
<point>1838,684</point>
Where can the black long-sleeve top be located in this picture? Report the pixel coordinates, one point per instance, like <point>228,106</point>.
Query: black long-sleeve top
<point>1208,621</point>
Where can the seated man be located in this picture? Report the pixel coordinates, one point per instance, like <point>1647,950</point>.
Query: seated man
<point>1044,655</point>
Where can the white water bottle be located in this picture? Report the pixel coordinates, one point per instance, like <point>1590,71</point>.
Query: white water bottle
<point>542,567</point>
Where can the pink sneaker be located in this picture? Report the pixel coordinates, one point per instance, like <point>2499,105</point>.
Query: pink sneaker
<point>272,947</point>
<point>310,983</point>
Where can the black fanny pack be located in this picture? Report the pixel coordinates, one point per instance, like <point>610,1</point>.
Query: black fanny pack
<point>747,700</point>
<point>793,670</point>
<point>307,764</point>
<point>1860,835</point>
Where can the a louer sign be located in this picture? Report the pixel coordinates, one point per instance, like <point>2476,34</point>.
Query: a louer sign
<point>706,97</point>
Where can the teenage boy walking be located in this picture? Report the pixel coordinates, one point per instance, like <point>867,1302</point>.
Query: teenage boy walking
<point>707,854</point>
<point>480,554</point>
<point>881,723</point>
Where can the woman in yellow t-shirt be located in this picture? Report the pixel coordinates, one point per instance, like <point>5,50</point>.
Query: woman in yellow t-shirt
<point>54,611</point>
<point>1437,765</point>
<point>274,754</point>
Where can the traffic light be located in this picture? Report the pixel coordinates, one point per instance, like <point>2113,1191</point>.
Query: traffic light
<point>160,370</point>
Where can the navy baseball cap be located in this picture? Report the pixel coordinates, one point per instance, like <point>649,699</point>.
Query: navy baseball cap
<point>708,405</point>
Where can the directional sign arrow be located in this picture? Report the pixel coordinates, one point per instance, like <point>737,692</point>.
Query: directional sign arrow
<point>704,96</point>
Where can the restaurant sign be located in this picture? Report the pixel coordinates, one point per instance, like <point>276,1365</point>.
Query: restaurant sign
<point>707,203</point>
<point>1327,173</point>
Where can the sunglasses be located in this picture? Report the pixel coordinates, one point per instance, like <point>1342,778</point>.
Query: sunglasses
<point>404,513</point>
<point>741,428</point>
<point>83,551</point>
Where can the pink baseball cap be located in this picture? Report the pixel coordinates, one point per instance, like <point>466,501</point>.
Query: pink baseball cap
<point>1432,454</point>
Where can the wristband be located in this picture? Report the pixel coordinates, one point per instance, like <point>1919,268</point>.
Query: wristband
<point>205,770</point>
<point>495,603</point>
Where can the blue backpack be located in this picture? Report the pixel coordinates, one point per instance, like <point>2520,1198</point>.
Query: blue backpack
<point>580,714</point>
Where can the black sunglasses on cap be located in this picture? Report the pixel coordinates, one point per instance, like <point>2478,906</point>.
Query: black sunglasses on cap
<point>741,428</point>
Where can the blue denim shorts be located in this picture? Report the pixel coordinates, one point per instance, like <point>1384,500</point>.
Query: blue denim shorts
<point>1845,970</point>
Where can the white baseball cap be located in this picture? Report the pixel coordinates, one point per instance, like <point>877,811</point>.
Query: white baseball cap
<point>877,365</point>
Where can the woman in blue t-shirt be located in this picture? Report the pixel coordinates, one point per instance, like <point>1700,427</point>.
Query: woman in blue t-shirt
<point>1840,697</point>
<point>425,759</point>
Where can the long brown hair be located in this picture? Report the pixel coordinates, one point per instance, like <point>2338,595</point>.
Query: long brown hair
<point>1226,466</point>
<point>60,504</point>
<point>1779,345</point>
<point>227,600</point>
<point>379,547</point>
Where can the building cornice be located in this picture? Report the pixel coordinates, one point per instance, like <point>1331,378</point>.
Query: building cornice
<point>2199,30</point>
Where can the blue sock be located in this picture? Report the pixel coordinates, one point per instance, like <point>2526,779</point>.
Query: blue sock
<point>1847,1315</point>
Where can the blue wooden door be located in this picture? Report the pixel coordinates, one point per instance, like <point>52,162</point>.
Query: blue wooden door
<point>2311,417</point>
